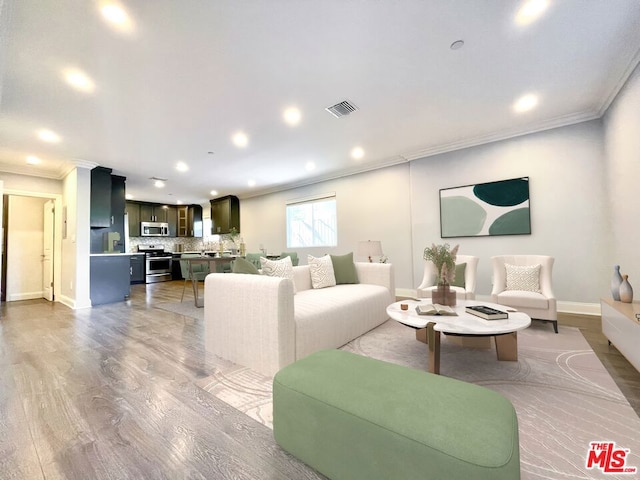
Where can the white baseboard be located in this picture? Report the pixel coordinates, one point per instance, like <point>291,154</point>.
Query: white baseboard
<point>577,308</point>
<point>15,297</point>
<point>71,303</point>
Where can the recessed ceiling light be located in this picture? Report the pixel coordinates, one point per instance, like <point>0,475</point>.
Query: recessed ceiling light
<point>525,103</point>
<point>240,139</point>
<point>33,160</point>
<point>117,16</point>
<point>357,153</point>
<point>530,11</point>
<point>179,202</point>
<point>213,192</point>
<point>310,166</point>
<point>48,136</point>
<point>292,116</point>
<point>79,80</point>
<point>128,196</point>
<point>457,45</point>
<point>182,167</point>
<point>251,183</point>
<point>158,184</point>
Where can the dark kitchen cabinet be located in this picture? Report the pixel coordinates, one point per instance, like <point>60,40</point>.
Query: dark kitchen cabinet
<point>189,221</point>
<point>151,212</point>
<point>195,220</point>
<point>107,209</point>
<point>136,269</point>
<point>133,214</point>
<point>100,208</point>
<point>109,278</point>
<point>118,206</point>
<point>225,214</point>
<point>171,215</point>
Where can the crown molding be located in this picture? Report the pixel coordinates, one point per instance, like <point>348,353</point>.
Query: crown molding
<point>619,85</point>
<point>556,122</point>
<point>369,167</point>
<point>26,170</point>
<point>74,163</point>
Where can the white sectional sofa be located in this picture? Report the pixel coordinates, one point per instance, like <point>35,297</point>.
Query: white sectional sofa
<point>257,321</point>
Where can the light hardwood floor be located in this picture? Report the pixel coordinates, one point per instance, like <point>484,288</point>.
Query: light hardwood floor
<point>109,392</point>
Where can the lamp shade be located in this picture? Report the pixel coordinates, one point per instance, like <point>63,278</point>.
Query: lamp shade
<point>370,248</point>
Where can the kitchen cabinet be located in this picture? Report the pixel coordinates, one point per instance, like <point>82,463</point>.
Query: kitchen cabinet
<point>109,278</point>
<point>133,214</point>
<point>225,214</point>
<point>151,212</point>
<point>136,269</point>
<point>100,208</point>
<point>118,208</point>
<point>189,221</point>
<point>171,215</point>
<point>107,211</point>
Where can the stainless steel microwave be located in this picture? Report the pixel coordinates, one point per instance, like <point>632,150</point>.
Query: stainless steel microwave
<point>154,229</point>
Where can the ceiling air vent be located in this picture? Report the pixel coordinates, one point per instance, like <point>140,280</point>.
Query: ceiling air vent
<point>341,109</point>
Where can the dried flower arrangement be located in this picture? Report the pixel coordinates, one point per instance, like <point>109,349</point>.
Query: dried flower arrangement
<point>444,258</point>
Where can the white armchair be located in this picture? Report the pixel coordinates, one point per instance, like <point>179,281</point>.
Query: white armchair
<point>518,287</point>
<point>468,292</point>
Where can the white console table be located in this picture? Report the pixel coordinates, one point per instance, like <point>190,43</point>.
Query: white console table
<point>621,326</point>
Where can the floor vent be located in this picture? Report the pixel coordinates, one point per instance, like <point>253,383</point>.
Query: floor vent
<point>341,109</point>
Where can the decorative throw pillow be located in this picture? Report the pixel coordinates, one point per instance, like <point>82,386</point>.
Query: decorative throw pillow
<point>344,269</point>
<point>278,268</point>
<point>458,281</point>
<point>241,265</point>
<point>523,277</point>
<point>321,271</point>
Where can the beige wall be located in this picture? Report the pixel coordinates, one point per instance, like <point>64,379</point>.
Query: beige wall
<point>28,183</point>
<point>370,206</point>
<point>569,216</point>
<point>75,289</point>
<point>400,206</point>
<point>622,140</point>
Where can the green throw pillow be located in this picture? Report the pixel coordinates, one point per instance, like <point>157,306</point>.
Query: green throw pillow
<point>240,265</point>
<point>459,280</point>
<point>344,269</point>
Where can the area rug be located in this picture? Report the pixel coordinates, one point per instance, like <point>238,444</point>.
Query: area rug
<point>186,308</point>
<point>563,395</point>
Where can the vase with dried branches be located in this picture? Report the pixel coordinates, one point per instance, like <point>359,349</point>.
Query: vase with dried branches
<point>444,259</point>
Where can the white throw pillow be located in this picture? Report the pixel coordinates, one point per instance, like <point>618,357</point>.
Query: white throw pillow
<point>278,268</point>
<point>521,277</point>
<point>321,269</point>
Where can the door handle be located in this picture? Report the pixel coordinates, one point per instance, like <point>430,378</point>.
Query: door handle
<point>131,271</point>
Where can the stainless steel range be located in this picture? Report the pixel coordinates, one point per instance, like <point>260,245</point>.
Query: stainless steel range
<point>158,263</point>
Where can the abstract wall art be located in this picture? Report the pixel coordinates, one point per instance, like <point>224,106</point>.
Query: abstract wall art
<point>486,209</point>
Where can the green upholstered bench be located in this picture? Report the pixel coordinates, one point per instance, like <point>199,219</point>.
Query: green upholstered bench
<point>352,417</point>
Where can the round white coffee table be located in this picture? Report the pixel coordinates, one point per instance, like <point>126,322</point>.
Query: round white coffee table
<point>429,327</point>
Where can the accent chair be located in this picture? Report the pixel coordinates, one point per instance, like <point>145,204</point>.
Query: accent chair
<point>464,284</point>
<point>523,282</point>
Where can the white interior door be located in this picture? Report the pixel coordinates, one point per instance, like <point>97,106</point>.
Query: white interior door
<point>1,231</point>
<point>47,250</point>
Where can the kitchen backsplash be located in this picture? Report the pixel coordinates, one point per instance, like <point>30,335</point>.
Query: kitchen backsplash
<point>189,244</point>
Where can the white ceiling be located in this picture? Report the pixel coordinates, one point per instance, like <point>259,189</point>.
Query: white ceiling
<point>194,72</point>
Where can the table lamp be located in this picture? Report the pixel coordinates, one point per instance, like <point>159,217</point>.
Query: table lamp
<point>370,248</point>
